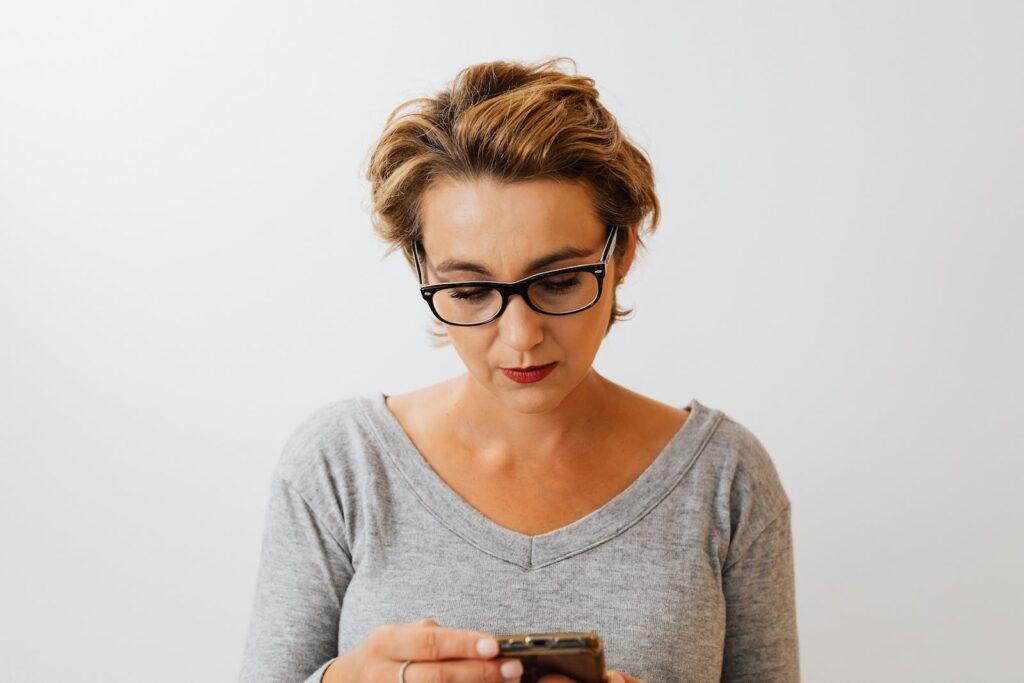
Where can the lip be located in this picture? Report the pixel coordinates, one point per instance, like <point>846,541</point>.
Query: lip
<point>527,375</point>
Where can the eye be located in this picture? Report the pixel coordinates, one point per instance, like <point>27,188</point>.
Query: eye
<point>468,293</point>
<point>564,284</point>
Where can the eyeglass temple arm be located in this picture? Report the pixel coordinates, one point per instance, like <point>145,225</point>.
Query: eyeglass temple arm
<point>416,258</point>
<point>610,246</point>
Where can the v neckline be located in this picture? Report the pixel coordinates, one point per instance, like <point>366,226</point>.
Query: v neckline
<point>615,516</point>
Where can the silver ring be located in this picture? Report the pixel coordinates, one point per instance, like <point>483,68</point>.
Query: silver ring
<point>401,672</point>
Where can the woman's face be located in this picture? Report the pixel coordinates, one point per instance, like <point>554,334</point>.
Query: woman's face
<point>502,227</point>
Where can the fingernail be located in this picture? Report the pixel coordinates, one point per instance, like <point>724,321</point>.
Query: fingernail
<point>512,669</point>
<point>487,646</point>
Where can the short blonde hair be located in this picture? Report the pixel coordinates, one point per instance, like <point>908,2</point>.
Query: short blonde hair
<point>512,122</point>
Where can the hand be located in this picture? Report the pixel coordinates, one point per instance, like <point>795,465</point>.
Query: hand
<point>613,676</point>
<point>437,653</point>
<point>619,677</point>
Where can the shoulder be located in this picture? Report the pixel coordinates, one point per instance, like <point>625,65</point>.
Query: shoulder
<point>326,444</point>
<point>753,470</point>
<point>647,417</point>
<point>751,494</point>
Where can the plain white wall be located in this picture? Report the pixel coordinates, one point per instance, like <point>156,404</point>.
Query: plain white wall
<point>187,269</point>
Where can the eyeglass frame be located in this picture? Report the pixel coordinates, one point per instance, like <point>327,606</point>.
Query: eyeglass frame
<point>507,289</point>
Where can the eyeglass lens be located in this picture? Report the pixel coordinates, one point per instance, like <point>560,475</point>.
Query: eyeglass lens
<point>558,293</point>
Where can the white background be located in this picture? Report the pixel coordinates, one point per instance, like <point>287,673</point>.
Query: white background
<point>187,269</point>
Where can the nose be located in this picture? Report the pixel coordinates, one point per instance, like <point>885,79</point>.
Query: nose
<point>520,326</point>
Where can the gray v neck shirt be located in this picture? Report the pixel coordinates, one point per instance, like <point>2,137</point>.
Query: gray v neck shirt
<point>686,575</point>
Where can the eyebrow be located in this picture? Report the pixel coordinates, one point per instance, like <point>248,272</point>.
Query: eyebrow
<point>449,265</point>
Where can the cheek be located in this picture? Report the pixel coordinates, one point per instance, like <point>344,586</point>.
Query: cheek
<point>577,334</point>
<point>595,318</point>
<point>472,348</point>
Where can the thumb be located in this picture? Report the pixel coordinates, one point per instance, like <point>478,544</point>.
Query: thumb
<point>615,677</point>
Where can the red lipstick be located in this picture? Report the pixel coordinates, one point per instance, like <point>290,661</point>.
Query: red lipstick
<point>533,373</point>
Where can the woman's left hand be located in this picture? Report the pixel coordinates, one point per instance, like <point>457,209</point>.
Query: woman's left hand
<point>613,677</point>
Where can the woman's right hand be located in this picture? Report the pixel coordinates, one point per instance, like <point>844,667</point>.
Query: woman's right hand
<point>437,653</point>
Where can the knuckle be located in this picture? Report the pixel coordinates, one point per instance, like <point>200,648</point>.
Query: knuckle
<point>431,645</point>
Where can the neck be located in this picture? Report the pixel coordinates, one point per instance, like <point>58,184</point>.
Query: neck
<point>506,436</point>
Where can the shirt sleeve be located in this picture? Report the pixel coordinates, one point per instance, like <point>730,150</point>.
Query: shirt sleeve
<point>761,631</point>
<point>303,574</point>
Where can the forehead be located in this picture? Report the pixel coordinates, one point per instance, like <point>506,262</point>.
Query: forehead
<point>503,225</point>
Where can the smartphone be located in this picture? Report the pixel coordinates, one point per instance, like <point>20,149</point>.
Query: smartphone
<point>580,656</point>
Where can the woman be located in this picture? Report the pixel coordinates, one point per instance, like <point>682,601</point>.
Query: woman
<point>403,530</point>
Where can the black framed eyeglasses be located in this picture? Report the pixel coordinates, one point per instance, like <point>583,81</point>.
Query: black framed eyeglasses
<point>563,291</point>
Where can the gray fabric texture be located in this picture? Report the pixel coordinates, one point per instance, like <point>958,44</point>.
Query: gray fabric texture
<point>686,575</point>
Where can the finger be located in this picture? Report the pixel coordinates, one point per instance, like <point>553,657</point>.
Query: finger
<point>615,676</point>
<point>426,642</point>
<point>461,671</point>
